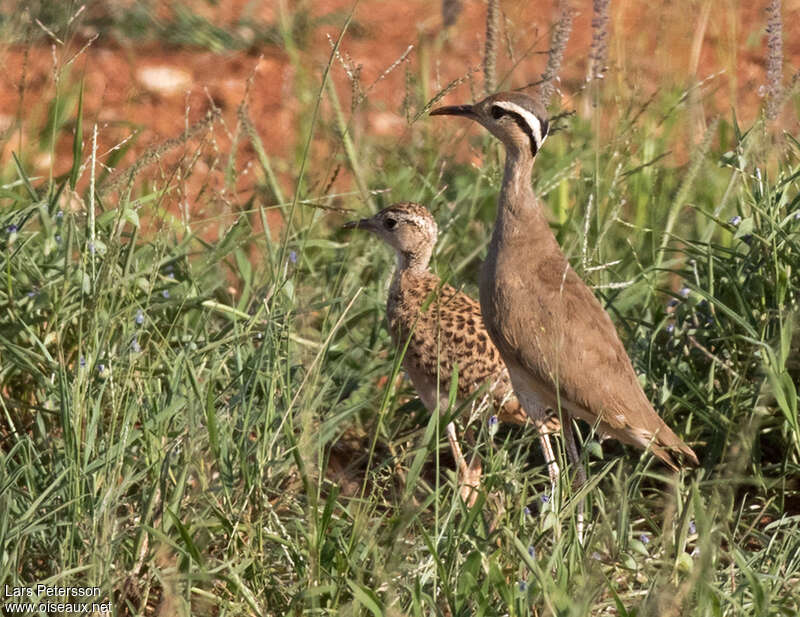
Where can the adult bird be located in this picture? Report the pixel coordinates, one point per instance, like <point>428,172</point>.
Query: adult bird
<point>559,344</point>
<point>441,328</point>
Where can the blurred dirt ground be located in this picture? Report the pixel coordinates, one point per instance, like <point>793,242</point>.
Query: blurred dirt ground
<point>153,91</point>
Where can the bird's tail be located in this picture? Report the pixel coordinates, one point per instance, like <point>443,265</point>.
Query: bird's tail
<point>667,444</point>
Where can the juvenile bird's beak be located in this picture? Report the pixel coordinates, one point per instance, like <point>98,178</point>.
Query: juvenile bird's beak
<point>360,224</point>
<point>455,110</point>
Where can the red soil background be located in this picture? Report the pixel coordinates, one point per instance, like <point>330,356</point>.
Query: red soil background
<point>653,46</point>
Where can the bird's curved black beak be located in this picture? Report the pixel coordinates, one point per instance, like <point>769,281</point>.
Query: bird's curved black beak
<point>454,110</point>
<point>360,224</point>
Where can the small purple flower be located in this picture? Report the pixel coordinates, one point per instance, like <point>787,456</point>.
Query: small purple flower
<point>12,229</point>
<point>139,317</point>
<point>58,239</point>
<point>692,528</point>
<point>735,220</point>
<point>135,347</point>
<point>685,291</point>
<point>526,511</point>
<point>82,361</point>
<point>644,538</point>
<point>32,293</point>
<point>493,426</point>
<point>165,293</point>
<point>532,551</point>
<point>670,328</point>
<point>797,216</point>
<point>169,268</point>
<point>101,368</point>
<point>60,214</point>
<point>523,586</point>
<point>545,498</point>
<point>672,303</point>
<point>293,256</point>
<point>91,248</point>
<point>171,275</point>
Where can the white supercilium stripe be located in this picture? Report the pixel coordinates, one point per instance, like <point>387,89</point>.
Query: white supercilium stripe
<point>531,119</point>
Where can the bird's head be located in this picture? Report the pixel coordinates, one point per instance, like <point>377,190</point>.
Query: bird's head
<point>516,119</point>
<point>407,227</point>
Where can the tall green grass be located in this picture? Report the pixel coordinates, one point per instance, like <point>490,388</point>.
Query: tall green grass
<point>219,427</point>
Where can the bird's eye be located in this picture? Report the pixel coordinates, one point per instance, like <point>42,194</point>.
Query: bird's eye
<point>497,112</point>
<point>390,223</point>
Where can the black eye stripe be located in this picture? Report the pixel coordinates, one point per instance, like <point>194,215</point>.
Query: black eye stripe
<point>498,112</point>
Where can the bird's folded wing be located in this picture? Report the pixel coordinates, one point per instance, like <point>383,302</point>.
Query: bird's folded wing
<point>445,330</point>
<point>571,343</point>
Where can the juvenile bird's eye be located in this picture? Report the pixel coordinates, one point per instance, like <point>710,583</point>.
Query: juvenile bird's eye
<point>390,223</point>
<point>497,112</point>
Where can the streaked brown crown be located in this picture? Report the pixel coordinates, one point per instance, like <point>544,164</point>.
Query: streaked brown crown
<point>407,227</point>
<point>411,213</point>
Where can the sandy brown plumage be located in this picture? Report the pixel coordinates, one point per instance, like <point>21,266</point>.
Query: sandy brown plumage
<point>564,346</point>
<point>559,344</point>
<point>441,327</point>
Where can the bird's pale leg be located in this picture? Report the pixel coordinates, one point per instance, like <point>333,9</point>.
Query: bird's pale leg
<point>536,412</point>
<point>550,459</point>
<point>470,475</point>
<point>580,472</point>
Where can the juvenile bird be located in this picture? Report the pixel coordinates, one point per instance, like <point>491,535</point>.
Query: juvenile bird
<point>443,328</point>
<point>559,344</point>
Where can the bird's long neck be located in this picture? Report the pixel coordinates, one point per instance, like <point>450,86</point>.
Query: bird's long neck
<point>416,260</point>
<point>410,262</point>
<point>519,213</point>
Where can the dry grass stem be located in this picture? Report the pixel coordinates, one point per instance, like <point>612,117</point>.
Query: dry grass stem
<point>774,59</point>
<point>403,57</point>
<point>558,44</point>
<point>490,55</point>
<point>451,9</point>
<point>156,152</point>
<point>598,54</point>
<point>443,93</point>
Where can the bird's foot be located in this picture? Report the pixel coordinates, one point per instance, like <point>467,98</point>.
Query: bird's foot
<point>470,481</point>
